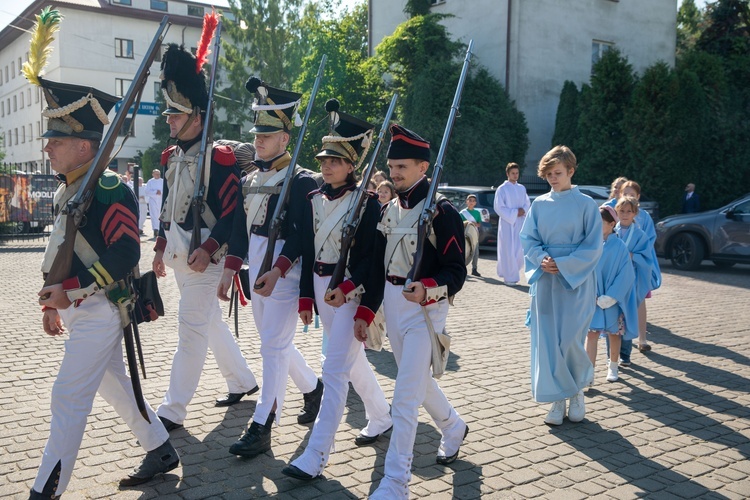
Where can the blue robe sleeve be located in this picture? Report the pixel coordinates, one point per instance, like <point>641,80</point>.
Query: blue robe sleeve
<point>646,224</point>
<point>533,247</point>
<point>642,253</point>
<point>621,287</point>
<point>577,267</point>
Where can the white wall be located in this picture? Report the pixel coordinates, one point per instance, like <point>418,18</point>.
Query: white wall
<point>550,42</point>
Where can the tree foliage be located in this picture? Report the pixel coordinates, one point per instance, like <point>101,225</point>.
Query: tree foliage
<point>423,65</point>
<point>689,25</point>
<point>566,120</point>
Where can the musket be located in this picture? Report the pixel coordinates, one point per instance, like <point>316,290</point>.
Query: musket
<point>355,205</point>
<point>424,226</point>
<point>279,212</point>
<point>199,193</point>
<point>75,210</point>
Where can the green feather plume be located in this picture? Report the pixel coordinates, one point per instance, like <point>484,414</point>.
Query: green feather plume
<point>47,24</point>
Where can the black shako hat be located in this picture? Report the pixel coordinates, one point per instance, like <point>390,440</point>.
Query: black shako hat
<point>405,144</point>
<point>275,109</point>
<point>76,110</point>
<point>349,137</point>
<point>183,86</point>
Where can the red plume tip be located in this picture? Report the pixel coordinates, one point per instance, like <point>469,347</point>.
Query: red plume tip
<point>210,22</point>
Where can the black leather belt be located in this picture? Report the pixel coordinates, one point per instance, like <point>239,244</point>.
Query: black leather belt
<point>396,280</point>
<point>323,269</point>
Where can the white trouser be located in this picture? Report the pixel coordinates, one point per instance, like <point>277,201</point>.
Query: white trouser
<point>93,361</point>
<point>142,209</point>
<point>201,326</point>
<point>345,361</point>
<point>410,341</point>
<point>154,210</point>
<point>276,321</point>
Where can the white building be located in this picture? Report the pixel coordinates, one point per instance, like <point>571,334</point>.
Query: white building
<point>533,46</point>
<point>100,43</point>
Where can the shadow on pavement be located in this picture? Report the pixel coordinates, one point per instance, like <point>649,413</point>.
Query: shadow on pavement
<point>737,275</point>
<point>668,412</point>
<point>699,371</point>
<point>610,449</point>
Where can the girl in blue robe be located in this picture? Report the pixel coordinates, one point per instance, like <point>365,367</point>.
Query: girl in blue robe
<point>638,245</point>
<point>616,313</point>
<point>644,221</point>
<point>562,243</point>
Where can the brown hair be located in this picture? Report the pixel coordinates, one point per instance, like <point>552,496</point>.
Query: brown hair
<point>627,200</point>
<point>631,184</point>
<point>390,186</point>
<point>558,154</point>
<point>510,166</point>
<point>617,182</point>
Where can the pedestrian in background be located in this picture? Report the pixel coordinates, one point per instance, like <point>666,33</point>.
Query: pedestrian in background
<point>153,191</point>
<point>562,243</point>
<point>472,216</point>
<point>691,202</point>
<point>511,205</point>
<point>614,191</point>
<point>386,192</point>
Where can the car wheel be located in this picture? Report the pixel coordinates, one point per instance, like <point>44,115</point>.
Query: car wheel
<point>722,264</point>
<point>686,252</point>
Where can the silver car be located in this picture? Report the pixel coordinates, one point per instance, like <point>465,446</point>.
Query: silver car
<point>721,235</point>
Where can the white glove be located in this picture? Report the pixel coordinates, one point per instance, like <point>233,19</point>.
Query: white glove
<point>605,301</point>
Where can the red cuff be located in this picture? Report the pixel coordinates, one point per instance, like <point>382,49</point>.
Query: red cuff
<point>347,287</point>
<point>161,244</point>
<point>210,246</point>
<point>233,263</point>
<point>429,282</point>
<point>305,304</point>
<point>364,313</point>
<point>71,284</point>
<point>284,264</point>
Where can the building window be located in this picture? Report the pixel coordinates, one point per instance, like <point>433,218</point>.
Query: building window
<point>123,48</point>
<point>598,48</point>
<point>195,10</point>
<point>36,94</point>
<point>23,134</point>
<point>159,5</point>
<point>15,103</point>
<point>12,70</point>
<point>21,94</point>
<point>157,90</point>
<point>2,107</point>
<point>39,129</point>
<point>28,96</point>
<point>20,66</point>
<point>122,2</point>
<point>15,133</point>
<point>121,86</point>
<point>159,53</point>
<point>126,126</point>
<point>6,73</point>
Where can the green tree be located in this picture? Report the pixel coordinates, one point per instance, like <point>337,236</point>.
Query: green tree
<point>423,65</point>
<point>689,25</point>
<point>601,148</point>
<point>566,120</point>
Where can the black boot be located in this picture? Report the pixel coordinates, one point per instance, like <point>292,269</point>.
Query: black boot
<point>312,404</point>
<point>50,487</point>
<point>158,461</point>
<point>256,440</point>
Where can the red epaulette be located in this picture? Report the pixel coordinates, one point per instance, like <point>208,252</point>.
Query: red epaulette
<point>166,154</point>
<point>224,156</point>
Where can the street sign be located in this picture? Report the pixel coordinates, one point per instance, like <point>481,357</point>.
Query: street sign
<point>146,108</point>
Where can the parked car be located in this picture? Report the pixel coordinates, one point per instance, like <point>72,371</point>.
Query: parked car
<point>721,235</point>
<point>600,194</point>
<point>485,204</point>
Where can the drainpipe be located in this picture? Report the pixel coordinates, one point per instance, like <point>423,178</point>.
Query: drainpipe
<point>507,51</point>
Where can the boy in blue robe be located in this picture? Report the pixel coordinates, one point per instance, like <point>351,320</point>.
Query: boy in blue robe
<point>616,313</point>
<point>562,243</point>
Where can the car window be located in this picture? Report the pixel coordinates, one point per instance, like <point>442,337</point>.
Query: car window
<point>486,198</point>
<point>742,208</point>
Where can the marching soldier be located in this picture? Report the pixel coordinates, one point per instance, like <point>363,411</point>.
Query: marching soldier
<point>350,306</point>
<point>275,294</point>
<point>106,249</point>
<point>445,272</point>
<point>197,275</point>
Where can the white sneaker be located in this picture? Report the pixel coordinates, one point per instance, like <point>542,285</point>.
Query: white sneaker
<point>612,370</point>
<point>577,409</point>
<point>556,413</point>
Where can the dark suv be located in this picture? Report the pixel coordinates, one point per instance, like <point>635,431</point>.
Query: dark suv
<point>485,204</point>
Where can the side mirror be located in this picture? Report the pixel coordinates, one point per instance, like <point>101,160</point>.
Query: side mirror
<point>730,215</point>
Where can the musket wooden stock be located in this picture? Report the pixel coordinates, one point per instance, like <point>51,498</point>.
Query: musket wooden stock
<point>358,200</point>
<point>199,193</point>
<point>279,212</point>
<point>428,210</point>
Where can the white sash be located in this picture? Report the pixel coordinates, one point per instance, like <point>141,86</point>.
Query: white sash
<point>259,198</point>
<point>330,223</point>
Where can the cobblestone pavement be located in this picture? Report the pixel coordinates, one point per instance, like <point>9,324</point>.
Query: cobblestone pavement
<point>677,424</point>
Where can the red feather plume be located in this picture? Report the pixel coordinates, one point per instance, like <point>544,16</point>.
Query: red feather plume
<point>210,22</point>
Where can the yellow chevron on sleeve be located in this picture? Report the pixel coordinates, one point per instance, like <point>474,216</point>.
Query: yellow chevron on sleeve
<point>99,280</point>
<point>100,269</point>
